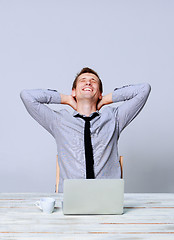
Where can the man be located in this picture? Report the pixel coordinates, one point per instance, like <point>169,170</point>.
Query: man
<point>87,139</point>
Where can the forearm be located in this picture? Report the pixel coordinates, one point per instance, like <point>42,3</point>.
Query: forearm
<point>124,93</point>
<point>41,96</point>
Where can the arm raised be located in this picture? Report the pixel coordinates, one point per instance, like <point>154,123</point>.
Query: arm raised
<point>35,101</point>
<point>134,98</point>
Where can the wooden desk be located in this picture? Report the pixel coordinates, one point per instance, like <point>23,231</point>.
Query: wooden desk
<point>146,216</point>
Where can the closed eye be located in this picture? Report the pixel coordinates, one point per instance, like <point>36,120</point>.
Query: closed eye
<point>93,80</point>
<point>82,80</point>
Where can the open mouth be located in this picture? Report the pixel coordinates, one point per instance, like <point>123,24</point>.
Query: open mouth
<point>87,89</point>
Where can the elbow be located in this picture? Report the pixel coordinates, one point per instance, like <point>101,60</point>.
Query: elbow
<point>147,88</point>
<point>22,94</point>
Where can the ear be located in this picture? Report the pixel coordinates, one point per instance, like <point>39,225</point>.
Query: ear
<point>74,92</point>
<point>100,96</point>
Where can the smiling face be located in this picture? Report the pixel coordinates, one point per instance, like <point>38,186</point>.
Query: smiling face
<point>87,87</point>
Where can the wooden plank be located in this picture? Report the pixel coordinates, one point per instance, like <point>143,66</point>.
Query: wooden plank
<point>146,216</point>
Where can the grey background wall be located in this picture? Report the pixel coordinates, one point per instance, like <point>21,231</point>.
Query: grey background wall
<point>43,44</point>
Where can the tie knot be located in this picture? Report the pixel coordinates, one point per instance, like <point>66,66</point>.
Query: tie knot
<point>88,119</point>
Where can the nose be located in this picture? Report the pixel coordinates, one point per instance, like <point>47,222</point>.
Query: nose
<point>88,81</point>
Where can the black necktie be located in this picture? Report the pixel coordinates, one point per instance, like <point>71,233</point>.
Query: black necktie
<point>88,146</point>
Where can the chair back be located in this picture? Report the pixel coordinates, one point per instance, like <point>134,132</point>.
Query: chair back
<point>57,174</point>
<point>121,165</point>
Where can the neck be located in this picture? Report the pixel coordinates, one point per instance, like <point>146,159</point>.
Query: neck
<point>86,108</point>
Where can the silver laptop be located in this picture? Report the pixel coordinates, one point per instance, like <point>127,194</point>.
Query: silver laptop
<point>93,196</point>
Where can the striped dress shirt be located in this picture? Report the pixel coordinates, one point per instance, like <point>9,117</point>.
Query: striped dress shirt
<point>68,130</point>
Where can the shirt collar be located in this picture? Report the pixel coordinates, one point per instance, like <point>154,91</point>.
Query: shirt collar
<point>75,113</point>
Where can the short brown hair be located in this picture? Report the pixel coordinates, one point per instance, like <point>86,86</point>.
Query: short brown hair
<point>88,70</point>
